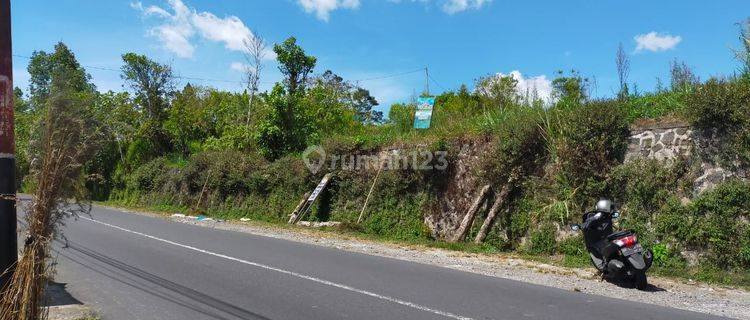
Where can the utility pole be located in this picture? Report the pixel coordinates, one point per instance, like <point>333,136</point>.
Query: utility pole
<point>8,240</point>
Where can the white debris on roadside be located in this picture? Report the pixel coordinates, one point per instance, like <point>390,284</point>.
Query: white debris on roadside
<point>318,224</point>
<point>178,215</point>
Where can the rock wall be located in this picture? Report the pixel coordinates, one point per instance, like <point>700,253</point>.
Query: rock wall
<point>668,141</point>
<point>460,190</point>
<point>662,142</point>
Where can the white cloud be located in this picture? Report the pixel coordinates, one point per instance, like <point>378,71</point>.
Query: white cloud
<point>455,6</point>
<point>183,24</point>
<point>238,66</point>
<point>323,8</point>
<point>656,42</point>
<point>536,87</point>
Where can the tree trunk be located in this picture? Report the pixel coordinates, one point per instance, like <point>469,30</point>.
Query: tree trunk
<point>490,220</point>
<point>465,226</point>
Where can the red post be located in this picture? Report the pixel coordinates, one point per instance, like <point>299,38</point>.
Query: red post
<point>8,237</point>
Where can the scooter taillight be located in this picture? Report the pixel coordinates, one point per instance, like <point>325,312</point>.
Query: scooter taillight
<point>627,242</point>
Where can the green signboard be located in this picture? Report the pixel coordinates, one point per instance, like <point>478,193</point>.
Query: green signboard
<point>423,116</point>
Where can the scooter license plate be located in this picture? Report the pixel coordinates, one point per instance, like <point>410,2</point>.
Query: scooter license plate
<point>632,250</point>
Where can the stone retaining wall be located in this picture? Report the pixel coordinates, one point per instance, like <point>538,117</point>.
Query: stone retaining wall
<point>669,141</point>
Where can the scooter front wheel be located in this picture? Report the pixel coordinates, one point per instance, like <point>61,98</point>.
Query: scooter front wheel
<point>640,280</point>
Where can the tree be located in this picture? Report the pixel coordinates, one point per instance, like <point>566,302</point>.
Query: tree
<point>623,70</point>
<point>152,86</point>
<point>683,78</point>
<point>185,122</point>
<point>255,52</point>
<point>363,104</point>
<point>287,126</point>
<point>334,89</point>
<point>61,66</point>
<point>274,138</point>
<point>401,116</point>
<point>500,90</point>
<point>294,64</point>
<point>570,90</point>
<point>744,53</point>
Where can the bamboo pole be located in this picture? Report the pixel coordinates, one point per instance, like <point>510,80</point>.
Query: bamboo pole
<point>369,194</point>
<point>295,213</point>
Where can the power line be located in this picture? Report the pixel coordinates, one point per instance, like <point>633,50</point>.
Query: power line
<point>174,76</point>
<point>437,83</point>
<point>395,75</point>
<point>391,76</point>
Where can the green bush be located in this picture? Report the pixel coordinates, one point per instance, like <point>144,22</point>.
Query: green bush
<point>542,240</point>
<point>401,116</point>
<point>588,141</point>
<point>715,222</point>
<point>519,150</point>
<point>721,110</point>
<point>572,246</point>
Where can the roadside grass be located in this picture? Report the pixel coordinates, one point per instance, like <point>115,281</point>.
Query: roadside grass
<point>687,274</point>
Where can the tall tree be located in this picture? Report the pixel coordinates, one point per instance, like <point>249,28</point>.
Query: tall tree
<point>152,85</point>
<point>743,54</point>
<point>294,64</point>
<point>500,91</point>
<point>623,71</point>
<point>255,53</point>
<point>58,66</point>
<point>286,128</point>
<point>683,78</point>
<point>570,90</point>
<point>363,104</point>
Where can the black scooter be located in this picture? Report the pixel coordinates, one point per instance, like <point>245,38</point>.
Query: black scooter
<point>616,255</point>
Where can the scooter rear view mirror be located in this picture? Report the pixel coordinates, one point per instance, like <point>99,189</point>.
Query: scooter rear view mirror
<point>616,214</point>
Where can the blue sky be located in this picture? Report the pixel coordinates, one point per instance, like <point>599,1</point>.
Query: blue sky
<point>459,40</point>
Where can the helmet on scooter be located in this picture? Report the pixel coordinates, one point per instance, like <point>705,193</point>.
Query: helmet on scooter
<point>606,206</point>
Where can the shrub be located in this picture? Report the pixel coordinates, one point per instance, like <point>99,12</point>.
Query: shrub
<point>721,104</point>
<point>401,116</point>
<point>588,142</point>
<point>542,240</point>
<point>721,109</point>
<point>715,222</point>
<point>519,151</point>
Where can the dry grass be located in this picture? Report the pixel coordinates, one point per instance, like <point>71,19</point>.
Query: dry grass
<point>67,138</point>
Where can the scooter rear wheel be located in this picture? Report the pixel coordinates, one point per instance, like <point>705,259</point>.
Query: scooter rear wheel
<point>640,280</point>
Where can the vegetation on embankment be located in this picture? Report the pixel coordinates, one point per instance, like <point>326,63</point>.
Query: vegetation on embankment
<point>207,151</point>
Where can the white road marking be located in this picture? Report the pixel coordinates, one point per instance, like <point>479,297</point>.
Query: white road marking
<point>291,273</point>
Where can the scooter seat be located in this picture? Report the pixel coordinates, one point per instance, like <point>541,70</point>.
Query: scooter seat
<point>618,235</point>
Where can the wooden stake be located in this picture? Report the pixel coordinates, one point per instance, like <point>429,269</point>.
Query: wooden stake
<point>311,197</point>
<point>200,197</point>
<point>362,213</point>
<point>465,226</point>
<point>490,220</point>
<point>295,213</point>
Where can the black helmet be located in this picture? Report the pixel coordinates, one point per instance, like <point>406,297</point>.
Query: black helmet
<point>606,206</point>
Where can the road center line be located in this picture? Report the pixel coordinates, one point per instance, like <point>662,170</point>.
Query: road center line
<point>287,272</point>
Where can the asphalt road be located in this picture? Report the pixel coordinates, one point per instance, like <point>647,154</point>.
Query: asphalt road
<point>135,267</point>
